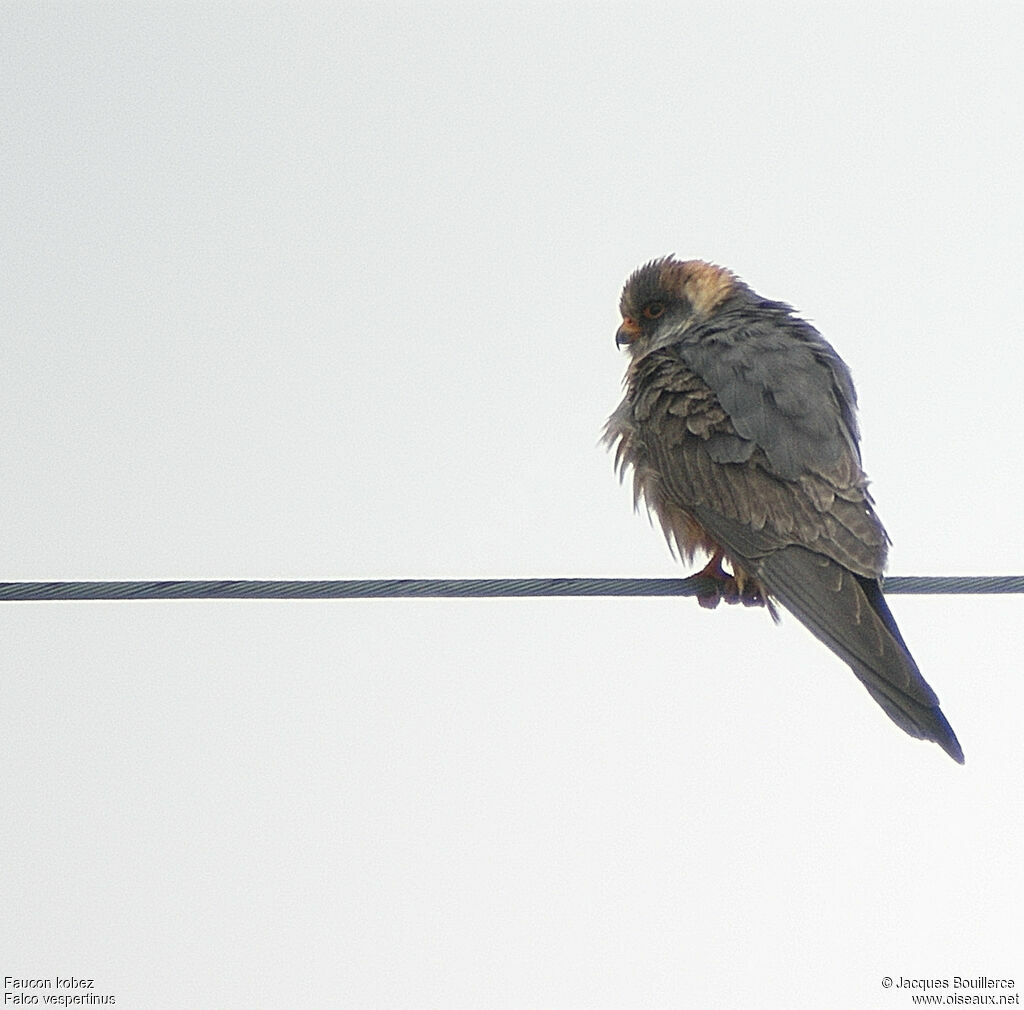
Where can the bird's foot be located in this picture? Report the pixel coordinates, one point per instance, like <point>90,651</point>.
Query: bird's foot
<point>728,587</point>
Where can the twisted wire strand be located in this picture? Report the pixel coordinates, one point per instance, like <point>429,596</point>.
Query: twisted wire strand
<point>21,592</point>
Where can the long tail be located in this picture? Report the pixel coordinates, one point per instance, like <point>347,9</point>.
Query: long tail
<point>849,614</point>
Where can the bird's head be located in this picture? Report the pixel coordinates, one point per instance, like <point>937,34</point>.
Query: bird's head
<point>664,297</point>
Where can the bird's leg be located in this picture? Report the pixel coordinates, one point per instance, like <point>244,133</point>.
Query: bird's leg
<point>729,587</point>
<point>713,570</point>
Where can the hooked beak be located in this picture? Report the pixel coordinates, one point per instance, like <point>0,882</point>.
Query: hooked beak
<point>627,333</point>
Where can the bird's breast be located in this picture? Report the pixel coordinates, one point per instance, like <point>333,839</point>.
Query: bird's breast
<point>665,406</point>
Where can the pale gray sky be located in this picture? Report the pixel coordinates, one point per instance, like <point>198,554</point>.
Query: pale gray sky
<point>331,292</point>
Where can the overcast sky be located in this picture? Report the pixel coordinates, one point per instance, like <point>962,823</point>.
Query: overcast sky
<point>331,292</point>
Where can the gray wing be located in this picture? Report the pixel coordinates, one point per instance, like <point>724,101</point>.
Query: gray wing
<point>808,532</point>
<point>782,384</point>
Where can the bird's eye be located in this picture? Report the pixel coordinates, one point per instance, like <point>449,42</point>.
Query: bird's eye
<point>654,310</point>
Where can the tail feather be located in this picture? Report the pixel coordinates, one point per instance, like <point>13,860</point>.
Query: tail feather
<point>849,614</point>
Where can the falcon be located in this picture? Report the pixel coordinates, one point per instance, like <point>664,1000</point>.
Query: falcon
<point>739,425</point>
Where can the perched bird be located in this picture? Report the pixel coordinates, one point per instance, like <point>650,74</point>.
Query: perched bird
<point>739,424</point>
